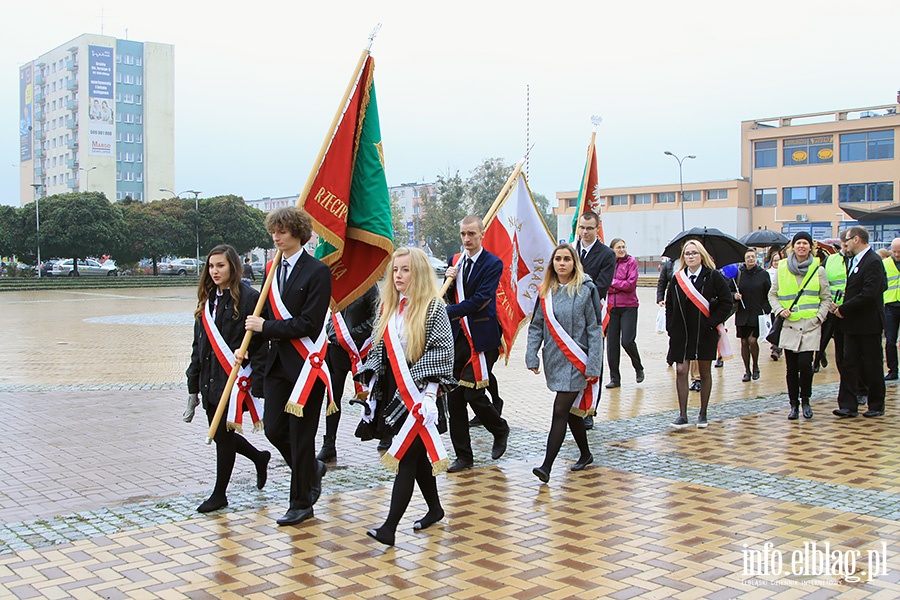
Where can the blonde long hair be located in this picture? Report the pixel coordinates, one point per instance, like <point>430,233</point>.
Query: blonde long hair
<point>422,289</point>
<point>705,258</point>
<point>551,280</point>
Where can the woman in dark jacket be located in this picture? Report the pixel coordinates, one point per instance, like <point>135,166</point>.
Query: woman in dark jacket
<point>751,297</point>
<point>693,332</point>
<point>226,301</point>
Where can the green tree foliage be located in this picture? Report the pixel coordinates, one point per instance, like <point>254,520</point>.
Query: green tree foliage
<point>10,231</point>
<point>438,221</point>
<point>228,220</point>
<point>485,182</point>
<point>76,225</point>
<point>398,223</point>
<point>156,229</point>
<point>546,210</point>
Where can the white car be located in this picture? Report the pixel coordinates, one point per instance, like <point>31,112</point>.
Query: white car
<point>86,268</point>
<point>179,266</point>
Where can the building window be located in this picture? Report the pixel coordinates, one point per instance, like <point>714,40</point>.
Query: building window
<point>138,99</point>
<point>643,198</point>
<point>809,151</point>
<point>129,79</point>
<point>816,194</point>
<point>118,117</point>
<point>129,118</point>
<point>138,80</point>
<point>140,157</point>
<point>717,195</point>
<point>866,192</point>
<point>139,138</point>
<point>620,200</point>
<point>118,78</point>
<point>118,175</point>
<point>138,61</point>
<point>140,176</point>
<point>571,202</point>
<point>871,145</point>
<point>692,196</point>
<point>139,119</point>
<point>766,154</point>
<point>766,197</point>
<point>664,197</point>
<point>128,99</point>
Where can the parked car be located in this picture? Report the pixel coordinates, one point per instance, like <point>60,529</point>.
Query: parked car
<point>86,268</point>
<point>259,268</point>
<point>47,267</point>
<point>440,266</point>
<point>179,266</point>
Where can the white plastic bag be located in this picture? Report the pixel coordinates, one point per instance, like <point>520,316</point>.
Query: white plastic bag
<point>661,320</point>
<point>765,325</point>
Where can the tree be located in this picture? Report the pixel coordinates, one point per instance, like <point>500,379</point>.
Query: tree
<point>229,220</point>
<point>10,229</point>
<point>156,229</point>
<point>76,225</point>
<point>438,220</point>
<point>543,204</point>
<point>398,223</point>
<point>485,182</point>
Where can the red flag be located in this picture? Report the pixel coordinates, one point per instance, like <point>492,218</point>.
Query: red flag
<point>588,199</point>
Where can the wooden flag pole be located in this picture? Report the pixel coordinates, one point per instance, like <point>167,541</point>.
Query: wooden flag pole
<point>264,293</point>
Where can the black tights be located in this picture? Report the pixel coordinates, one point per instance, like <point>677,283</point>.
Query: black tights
<point>228,445</point>
<point>561,417</point>
<point>682,370</point>
<point>415,466</point>
<point>750,350</point>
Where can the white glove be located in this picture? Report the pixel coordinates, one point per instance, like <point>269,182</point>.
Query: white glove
<point>192,403</point>
<point>367,410</point>
<point>428,410</point>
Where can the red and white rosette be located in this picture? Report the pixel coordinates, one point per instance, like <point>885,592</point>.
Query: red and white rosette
<point>585,402</point>
<point>357,355</point>
<point>702,304</point>
<point>476,359</point>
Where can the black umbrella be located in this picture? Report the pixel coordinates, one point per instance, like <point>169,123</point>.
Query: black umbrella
<point>725,249</point>
<point>763,238</point>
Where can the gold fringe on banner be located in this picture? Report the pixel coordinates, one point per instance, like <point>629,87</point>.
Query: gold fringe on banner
<point>294,409</point>
<point>390,462</point>
<point>583,413</point>
<point>229,426</point>
<point>440,466</point>
<point>332,408</point>
<point>259,426</point>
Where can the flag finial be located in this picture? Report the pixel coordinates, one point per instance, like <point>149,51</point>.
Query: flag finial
<point>372,36</point>
<point>596,120</point>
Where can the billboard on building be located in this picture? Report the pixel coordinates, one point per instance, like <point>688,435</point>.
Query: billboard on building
<point>101,120</point>
<point>26,111</point>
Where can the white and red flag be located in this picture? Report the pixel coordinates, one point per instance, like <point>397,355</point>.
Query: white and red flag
<point>518,236</point>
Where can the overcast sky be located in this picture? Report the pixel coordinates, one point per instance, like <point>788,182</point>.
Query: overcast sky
<point>257,86</point>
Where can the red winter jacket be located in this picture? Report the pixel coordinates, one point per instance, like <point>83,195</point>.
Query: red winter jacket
<point>623,289</point>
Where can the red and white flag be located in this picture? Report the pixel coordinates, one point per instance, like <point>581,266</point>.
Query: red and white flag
<point>518,236</point>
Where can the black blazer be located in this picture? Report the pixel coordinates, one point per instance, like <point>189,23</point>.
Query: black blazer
<point>480,304</point>
<point>600,264</point>
<point>863,307</point>
<point>307,296</point>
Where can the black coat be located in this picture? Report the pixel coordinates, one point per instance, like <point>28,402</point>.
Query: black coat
<point>600,264</point>
<point>863,307</point>
<point>754,287</point>
<point>205,375</point>
<point>693,336</point>
<point>359,317</point>
<point>666,273</point>
<point>480,305</point>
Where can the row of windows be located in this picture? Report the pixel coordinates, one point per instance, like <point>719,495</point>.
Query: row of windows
<point>854,147</point>
<point>662,197</point>
<point>882,191</point>
<point>129,98</point>
<point>128,59</point>
<point>130,138</point>
<point>129,78</point>
<point>130,157</point>
<point>128,117</point>
<point>129,176</point>
<point>134,195</point>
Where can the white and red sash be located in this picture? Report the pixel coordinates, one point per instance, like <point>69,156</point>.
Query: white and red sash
<point>476,359</point>
<point>313,355</point>
<point>412,399</point>
<point>357,355</point>
<point>586,401</point>
<point>241,397</point>
<point>604,315</point>
<point>702,304</point>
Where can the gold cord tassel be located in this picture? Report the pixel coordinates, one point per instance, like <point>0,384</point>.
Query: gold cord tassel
<point>294,409</point>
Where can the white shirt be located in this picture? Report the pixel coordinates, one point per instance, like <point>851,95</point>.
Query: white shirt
<point>585,249</point>
<point>291,260</point>
<point>398,319</point>
<point>856,259</point>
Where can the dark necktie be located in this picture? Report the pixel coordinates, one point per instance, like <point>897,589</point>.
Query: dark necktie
<point>693,279</point>
<point>285,265</point>
<point>466,270</point>
<point>583,253</point>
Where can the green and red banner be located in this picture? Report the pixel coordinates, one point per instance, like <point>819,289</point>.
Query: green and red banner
<point>587,193</point>
<point>349,201</point>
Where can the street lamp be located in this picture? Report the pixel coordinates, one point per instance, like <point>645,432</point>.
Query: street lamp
<point>196,208</point>
<point>680,181</point>
<point>37,219</point>
<point>87,177</point>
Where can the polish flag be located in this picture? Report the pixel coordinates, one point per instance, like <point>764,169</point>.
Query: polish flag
<point>518,236</point>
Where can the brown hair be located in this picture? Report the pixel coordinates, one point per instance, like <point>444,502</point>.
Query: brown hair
<point>206,286</point>
<point>290,218</point>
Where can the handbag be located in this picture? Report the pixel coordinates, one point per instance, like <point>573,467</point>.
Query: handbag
<point>764,323</point>
<point>774,336</point>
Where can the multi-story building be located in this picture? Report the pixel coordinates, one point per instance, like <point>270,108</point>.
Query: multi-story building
<point>816,172</point>
<point>97,114</point>
<point>409,197</point>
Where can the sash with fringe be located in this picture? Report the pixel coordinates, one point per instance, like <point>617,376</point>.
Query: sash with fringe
<point>241,398</point>
<point>702,304</point>
<point>476,359</point>
<point>357,356</point>
<point>412,399</point>
<point>313,355</point>
<point>585,402</point>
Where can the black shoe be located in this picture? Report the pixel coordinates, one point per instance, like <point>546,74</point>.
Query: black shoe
<point>891,376</point>
<point>746,377</point>
<point>639,376</point>
<point>815,368</point>
<point>499,446</point>
<point>213,503</point>
<point>460,465</point>
<point>719,364</point>
<point>315,488</point>
<point>774,356</point>
<point>589,422</point>
<point>328,453</point>
<point>295,516</point>
<point>695,386</point>
<point>474,421</point>
<point>823,361</point>
<point>807,410</point>
<point>386,538</point>
<point>385,444</point>
<point>262,470</point>
<point>669,363</point>
<point>612,384</point>
<point>843,412</point>
<point>680,423</point>
<point>795,413</point>
<point>541,474</point>
<point>582,462</point>
<point>755,374</point>
<point>428,520</point>
<point>873,413</point>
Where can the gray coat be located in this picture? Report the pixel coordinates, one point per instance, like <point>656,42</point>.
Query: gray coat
<point>578,317</point>
<point>803,335</point>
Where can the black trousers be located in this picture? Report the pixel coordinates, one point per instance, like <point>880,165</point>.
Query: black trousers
<point>339,365</point>
<point>862,360</point>
<point>294,437</point>
<point>462,396</point>
<point>621,334</point>
<point>891,325</point>
<point>799,377</point>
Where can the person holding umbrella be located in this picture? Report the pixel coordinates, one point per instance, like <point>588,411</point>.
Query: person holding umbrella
<point>697,303</point>
<point>751,297</point>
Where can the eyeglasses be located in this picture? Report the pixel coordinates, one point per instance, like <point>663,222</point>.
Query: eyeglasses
<point>583,228</point>
<point>692,254</point>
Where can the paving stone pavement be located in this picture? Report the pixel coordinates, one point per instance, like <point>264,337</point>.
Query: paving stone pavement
<point>102,480</point>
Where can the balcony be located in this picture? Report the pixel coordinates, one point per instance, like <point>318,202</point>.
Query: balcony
<point>70,123</point>
<point>72,144</point>
<point>72,84</point>
<point>71,65</point>
<point>39,77</point>
<point>39,170</point>
<point>72,163</point>
<point>38,94</point>
<point>38,152</point>
<point>40,135</point>
<point>71,104</point>
<point>73,184</point>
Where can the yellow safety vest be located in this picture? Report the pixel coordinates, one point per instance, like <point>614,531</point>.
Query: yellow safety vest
<point>893,276</point>
<point>808,305</point>
<point>836,270</point>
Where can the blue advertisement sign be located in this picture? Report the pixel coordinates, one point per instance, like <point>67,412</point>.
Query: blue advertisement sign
<point>26,111</point>
<point>101,123</point>
<point>100,72</point>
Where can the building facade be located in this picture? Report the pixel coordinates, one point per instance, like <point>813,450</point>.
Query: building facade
<point>98,114</point>
<point>410,197</point>
<point>815,172</point>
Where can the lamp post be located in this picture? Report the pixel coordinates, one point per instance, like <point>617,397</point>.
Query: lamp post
<point>37,219</point>
<point>87,177</point>
<point>680,180</point>
<point>197,209</point>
